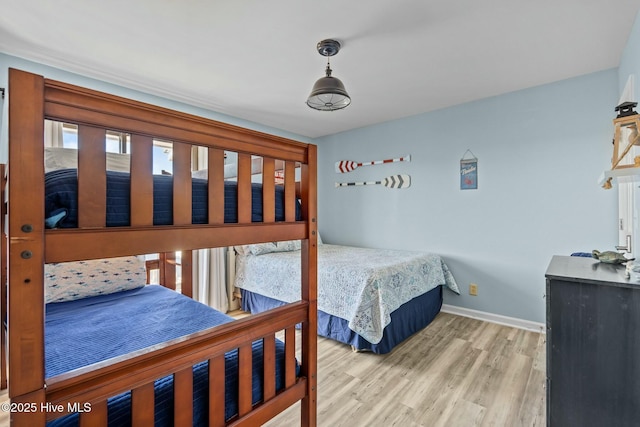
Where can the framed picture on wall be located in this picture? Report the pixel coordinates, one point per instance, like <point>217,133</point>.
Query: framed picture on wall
<point>468,172</point>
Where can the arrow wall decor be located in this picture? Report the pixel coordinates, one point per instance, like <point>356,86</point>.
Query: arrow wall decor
<point>344,166</point>
<point>393,181</point>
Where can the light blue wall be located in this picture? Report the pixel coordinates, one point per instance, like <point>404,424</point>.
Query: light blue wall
<point>7,61</point>
<point>630,62</point>
<point>540,152</point>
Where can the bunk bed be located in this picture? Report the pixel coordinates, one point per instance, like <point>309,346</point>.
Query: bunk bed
<point>219,371</point>
<point>371,299</point>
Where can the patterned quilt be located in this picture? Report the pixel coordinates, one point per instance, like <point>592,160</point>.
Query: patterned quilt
<point>360,285</point>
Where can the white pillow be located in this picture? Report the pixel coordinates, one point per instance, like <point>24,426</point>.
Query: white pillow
<point>67,158</point>
<point>118,162</point>
<point>67,281</point>
<point>230,170</point>
<point>266,248</point>
<point>200,174</point>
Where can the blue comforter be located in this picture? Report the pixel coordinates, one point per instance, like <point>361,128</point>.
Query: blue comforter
<point>81,332</point>
<point>61,200</point>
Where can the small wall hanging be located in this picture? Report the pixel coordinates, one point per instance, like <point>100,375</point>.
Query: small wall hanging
<point>468,171</point>
<point>344,166</point>
<point>393,181</point>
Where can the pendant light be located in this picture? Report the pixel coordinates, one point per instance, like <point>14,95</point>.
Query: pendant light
<point>328,94</point>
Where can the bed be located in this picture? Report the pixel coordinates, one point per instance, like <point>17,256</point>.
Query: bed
<point>85,331</point>
<point>371,299</point>
<point>80,359</point>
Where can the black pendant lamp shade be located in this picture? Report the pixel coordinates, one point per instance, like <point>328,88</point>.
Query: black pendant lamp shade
<point>328,94</point>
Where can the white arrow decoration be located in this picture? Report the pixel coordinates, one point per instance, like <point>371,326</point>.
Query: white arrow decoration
<point>393,181</point>
<point>344,166</point>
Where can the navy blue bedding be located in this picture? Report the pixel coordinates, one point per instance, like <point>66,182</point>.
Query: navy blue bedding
<point>61,200</point>
<point>408,319</point>
<point>86,331</point>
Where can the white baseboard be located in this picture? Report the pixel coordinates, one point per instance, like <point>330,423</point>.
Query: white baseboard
<point>495,318</point>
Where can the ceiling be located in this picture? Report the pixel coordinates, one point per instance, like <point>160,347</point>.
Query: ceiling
<point>257,60</point>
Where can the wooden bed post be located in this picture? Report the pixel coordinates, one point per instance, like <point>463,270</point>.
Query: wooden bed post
<point>3,280</point>
<point>310,288</point>
<point>186,271</point>
<point>168,269</point>
<point>26,245</point>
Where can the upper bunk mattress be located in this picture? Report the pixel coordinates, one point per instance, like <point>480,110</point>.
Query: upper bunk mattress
<point>61,200</point>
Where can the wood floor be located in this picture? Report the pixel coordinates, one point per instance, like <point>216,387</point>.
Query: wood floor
<point>457,372</point>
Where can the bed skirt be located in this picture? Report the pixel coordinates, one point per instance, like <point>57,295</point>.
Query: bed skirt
<point>408,319</point>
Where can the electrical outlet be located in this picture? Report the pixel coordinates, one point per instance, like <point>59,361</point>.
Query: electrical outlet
<point>473,289</point>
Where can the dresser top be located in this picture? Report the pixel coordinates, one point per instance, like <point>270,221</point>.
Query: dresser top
<point>590,270</point>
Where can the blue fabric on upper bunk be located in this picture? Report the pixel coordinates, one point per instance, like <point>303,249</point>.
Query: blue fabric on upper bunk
<point>81,332</point>
<point>61,192</point>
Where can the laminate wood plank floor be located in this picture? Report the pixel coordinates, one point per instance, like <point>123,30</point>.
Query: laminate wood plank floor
<point>457,372</point>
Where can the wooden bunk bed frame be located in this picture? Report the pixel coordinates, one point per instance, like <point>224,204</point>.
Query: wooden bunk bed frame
<point>32,99</point>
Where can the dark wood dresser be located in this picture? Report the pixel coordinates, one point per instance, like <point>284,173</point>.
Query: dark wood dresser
<point>593,344</point>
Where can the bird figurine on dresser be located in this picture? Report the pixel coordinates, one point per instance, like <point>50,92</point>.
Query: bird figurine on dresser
<point>610,257</point>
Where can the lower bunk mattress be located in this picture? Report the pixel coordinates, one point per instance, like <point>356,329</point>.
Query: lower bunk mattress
<point>408,319</point>
<point>86,331</point>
